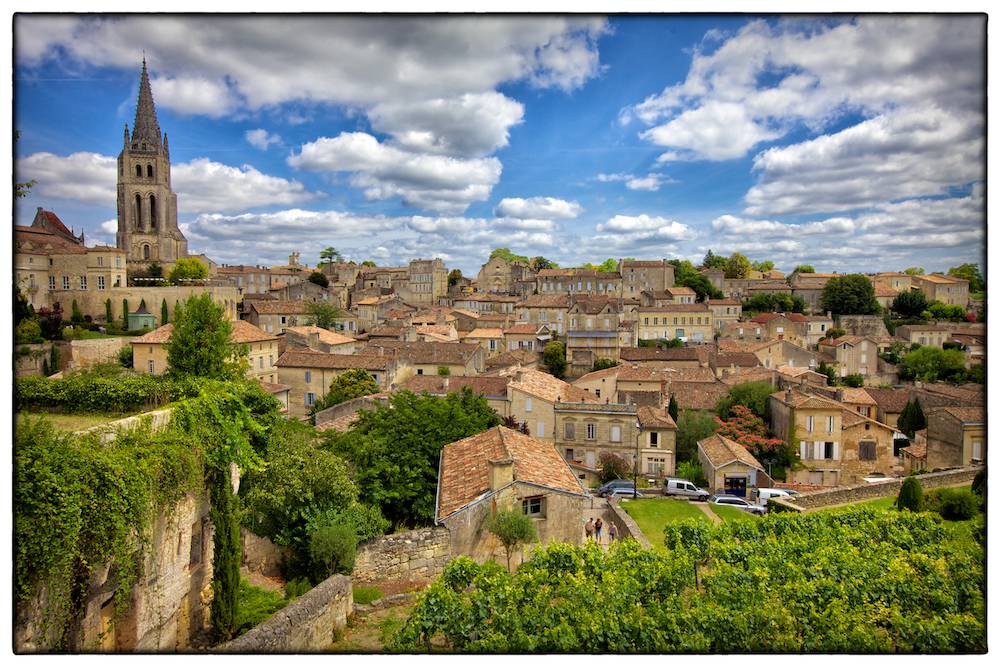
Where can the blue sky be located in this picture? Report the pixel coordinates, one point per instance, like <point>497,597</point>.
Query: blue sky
<point>847,143</point>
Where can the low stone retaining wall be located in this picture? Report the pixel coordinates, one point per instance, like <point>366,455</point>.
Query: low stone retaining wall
<point>347,408</point>
<point>804,502</point>
<point>413,555</point>
<point>626,525</point>
<point>361,610</point>
<point>307,625</point>
<point>158,420</point>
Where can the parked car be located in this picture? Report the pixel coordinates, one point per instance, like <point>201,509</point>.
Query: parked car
<point>625,492</point>
<point>736,501</point>
<point>615,484</point>
<point>763,495</point>
<point>673,486</point>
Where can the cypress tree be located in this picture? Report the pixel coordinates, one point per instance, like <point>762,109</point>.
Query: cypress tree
<point>911,496</point>
<point>227,554</point>
<point>125,314</point>
<point>672,408</point>
<point>163,313</point>
<point>912,418</point>
<point>77,315</point>
<point>107,311</point>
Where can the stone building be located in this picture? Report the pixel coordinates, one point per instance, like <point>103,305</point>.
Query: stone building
<point>423,358</point>
<point>813,425</point>
<point>147,205</point>
<point>533,396</point>
<point>149,352</point>
<point>657,441</point>
<point>308,374</point>
<point>686,321</point>
<point>276,316</point>
<point>493,388</point>
<point>639,275</point>
<point>956,437</point>
<point>946,289</point>
<point>729,468</point>
<point>319,339</point>
<point>585,430</point>
<point>500,470</point>
<point>499,275</point>
<point>427,281</point>
<point>866,447</point>
<point>725,311</point>
<point>548,309</point>
<point>594,332</point>
<point>579,281</point>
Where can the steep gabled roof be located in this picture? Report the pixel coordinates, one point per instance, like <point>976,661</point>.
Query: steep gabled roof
<point>720,451</point>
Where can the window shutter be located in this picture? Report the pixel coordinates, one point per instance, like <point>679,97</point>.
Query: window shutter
<point>803,450</point>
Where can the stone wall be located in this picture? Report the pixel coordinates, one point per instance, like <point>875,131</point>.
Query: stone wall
<point>863,325</point>
<point>415,555</point>
<point>804,502</point>
<point>347,408</point>
<point>83,353</point>
<point>156,421</point>
<point>626,525</point>
<point>306,625</point>
<point>31,363</point>
<point>262,555</point>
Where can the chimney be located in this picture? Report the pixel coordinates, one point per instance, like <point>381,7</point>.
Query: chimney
<point>501,473</point>
<point>840,394</point>
<point>788,395</point>
<point>314,340</point>
<point>446,383</point>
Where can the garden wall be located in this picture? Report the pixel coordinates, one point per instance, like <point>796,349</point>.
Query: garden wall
<point>83,353</point>
<point>347,408</point>
<point>308,624</point>
<point>626,525</point>
<point>414,555</point>
<point>261,554</point>
<point>804,502</point>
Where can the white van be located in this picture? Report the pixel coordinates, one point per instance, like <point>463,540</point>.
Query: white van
<point>681,487</point>
<point>763,495</point>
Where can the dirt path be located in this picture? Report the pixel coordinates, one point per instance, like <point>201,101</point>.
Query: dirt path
<point>370,633</point>
<point>708,512</point>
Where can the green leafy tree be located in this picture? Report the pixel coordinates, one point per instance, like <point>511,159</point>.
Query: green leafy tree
<point>332,550</point>
<point>930,364</point>
<point>200,343</point>
<point>443,371</point>
<point>350,384</point>
<point>914,271</point>
<point>692,472</point>
<point>804,268</point>
<point>853,380</point>
<point>28,331</point>
<point>164,315</point>
<point>513,529</point>
<point>369,263</point>
<point>971,273</point>
<point>773,302</point>
<point>187,268</point>
<point>318,278</point>
<point>125,356</point>
<point>753,395</point>
<point>692,426</point>
<point>395,450</point>
<point>507,255</point>
<point>323,314</point>
<point>852,294</point>
<point>910,303</point>
<point>539,263</point>
<point>454,276</point>
<point>713,261</point>
<point>764,266</point>
<point>737,266</point>
<point>607,266</point>
<point>612,467</point>
<point>329,255</point>
<point>22,307</point>
<point>912,418</point>
<point>941,311</point>
<point>602,364</point>
<point>833,333</point>
<point>911,496</point>
<point>686,275</point>
<point>672,408</point>
<point>554,358</point>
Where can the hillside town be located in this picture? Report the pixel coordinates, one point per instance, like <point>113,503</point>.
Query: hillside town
<point>382,427</point>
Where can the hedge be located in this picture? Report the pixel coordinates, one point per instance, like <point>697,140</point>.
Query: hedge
<point>83,392</point>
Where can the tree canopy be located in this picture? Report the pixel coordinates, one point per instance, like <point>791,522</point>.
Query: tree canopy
<point>319,278</point>
<point>329,255</point>
<point>971,273</point>
<point>851,294</point>
<point>738,266</point>
<point>539,263</point>
<point>323,314</point>
<point>775,302</point>
<point>187,268</point>
<point>686,275</point>
<point>804,268</point>
<point>713,261</point>
<point>930,364</point>
<point>914,271</point>
<point>753,395</point>
<point>692,426</point>
<point>454,276</point>
<point>507,255</point>
<point>763,266</point>
<point>352,383</point>
<point>910,303</point>
<point>554,358</point>
<point>606,266</point>
<point>200,344</point>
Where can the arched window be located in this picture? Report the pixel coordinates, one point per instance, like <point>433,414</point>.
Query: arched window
<point>149,170</point>
<point>145,251</point>
<point>138,171</point>
<point>152,211</point>
<point>138,211</point>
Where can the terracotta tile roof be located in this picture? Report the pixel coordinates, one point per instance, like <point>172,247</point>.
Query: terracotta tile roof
<point>659,354</point>
<point>545,301</point>
<point>939,279</point>
<point>676,308</point>
<point>522,329</point>
<point>803,400</point>
<point>325,335</point>
<point>644,264</point>
<point>724,302</point>
<point>492,386</point>
<point>465,467</point>
<point>835,342</point>
<point>598,375</point>
<point>424,352</point>
<point>794,371</point>
<point>764,318</point>
<point>273,387</point>
<point>696,395</point>
<point>726,359</point>
<point>512,359</point>
<point>855,395</point>
<point>678,291</point>
<point>884,291</point>
<point>741,375</point>
<point>890,401</point>
<point>746,345</point>
<point>917,451</point>
<point>650,417</point>
<point>342,424</point>
<point>974,415</point>
<point>243,332</point>
<point>579,273</point>
<point>42,242</point>
<point>484,333</point>
<point>52,219</point>
<point>439,329</point>
<point>280,307</point>
<point>542,385</point>
<point>254,296</point>
<point>962,394</point>
<point>592,305</point>
<point>849,418</point>
<point>720,450</point>
<point>298,358</point>
<point>636,373</point>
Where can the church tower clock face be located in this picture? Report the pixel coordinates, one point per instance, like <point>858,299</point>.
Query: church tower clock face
<point>147,205</point>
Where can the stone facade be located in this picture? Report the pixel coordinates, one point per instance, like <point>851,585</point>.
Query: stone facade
<point>416,555</point>
<point>307,625</point>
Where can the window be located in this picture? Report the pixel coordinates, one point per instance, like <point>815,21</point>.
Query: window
<point>829,424</point>
<point>977,451</point>
<point>261,362</point>
<point>310,398</point>
<point>65,282</point>
<point>100,260</point>
<point>149,170</point>
<point>809,424</point>
<point>866,451</point>
<point>420,371</point>
<point>270,360</point>
<point>152,367</point>
<point>309,377</point>
<point>493,345</point>
<point>591,431</point>
<point>829,450</point>
<point>540,431</point>
<point>534,506</point>
<point>654,439</point>
<point>616,434</point>
<point>52,282</point>
<point>569,432</point>
<point>31,280</point>
<point>569,455</point>
<point>100,282</point>
<point>83,282</point>
<point>138,171</point>
<point>527,405</point>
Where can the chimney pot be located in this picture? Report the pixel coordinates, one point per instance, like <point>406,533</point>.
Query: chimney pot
<point>788,395</point>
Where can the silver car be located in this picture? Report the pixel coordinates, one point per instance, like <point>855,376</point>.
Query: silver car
<point>736,501</point>
<point>673,486</point>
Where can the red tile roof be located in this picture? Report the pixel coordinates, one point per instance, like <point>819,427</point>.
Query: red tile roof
<point>464,475</point>
<point>243,332</point>
<point>720,450</point>
<point>484,385</point>
<point>310,359</point>
<point>650,417</point>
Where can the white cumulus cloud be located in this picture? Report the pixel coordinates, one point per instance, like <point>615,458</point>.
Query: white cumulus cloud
<point>548,208</point>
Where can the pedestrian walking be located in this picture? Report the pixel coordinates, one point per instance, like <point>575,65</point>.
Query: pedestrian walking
<point>597,529</point>
<point>588,528</point>
<point>612,533</point>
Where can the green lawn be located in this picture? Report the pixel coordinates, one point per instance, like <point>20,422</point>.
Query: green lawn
<point>731,513</point>
<point>72,422</point>
<point>652,514</point>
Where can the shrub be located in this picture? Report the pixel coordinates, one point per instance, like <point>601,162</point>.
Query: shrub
<point>512,528</point>
<point>296,587</point>
<point>332,550</point>
<point>911,496</point>
<point>954,504</point>
<point>365,595</point>
<point>979,487</point>
<point>854,380</point>
<point>28,331</point>
<point>612,467</point>
<point>255,605</point>
<point>692,472</point>
<point>125,356</point>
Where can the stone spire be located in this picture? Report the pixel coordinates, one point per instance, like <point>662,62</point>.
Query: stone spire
<point>146,128</point>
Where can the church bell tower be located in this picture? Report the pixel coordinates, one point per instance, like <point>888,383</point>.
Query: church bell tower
<point>147,207</point>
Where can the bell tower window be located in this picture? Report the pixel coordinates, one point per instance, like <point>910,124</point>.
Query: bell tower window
<point>138,171</point>
<point>145,251</point>
<point>149,170</point>
<point>138,211</point>
<point>152,210</point>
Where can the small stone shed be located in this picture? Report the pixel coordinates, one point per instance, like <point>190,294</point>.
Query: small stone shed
<point>729,467</point>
